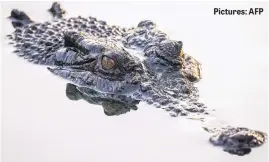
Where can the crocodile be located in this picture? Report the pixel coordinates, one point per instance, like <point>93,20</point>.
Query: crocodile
<point>118,67</point>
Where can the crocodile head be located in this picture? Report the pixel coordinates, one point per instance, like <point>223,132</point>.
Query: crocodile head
<point>107,66</point>
<point>143,62</point>
<point>97,64</point>
<point>93,54</point>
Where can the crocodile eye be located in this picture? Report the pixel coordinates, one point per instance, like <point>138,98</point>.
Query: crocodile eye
<point>108,63</point>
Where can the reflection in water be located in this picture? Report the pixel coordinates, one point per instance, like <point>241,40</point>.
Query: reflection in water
<point>112,104</point>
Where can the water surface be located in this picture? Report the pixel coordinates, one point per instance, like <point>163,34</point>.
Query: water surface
<point>41,124</point>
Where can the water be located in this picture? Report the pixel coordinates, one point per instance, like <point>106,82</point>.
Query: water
<point>41,124</point>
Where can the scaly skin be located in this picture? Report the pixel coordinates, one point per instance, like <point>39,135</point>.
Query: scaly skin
<point>118,67</point>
